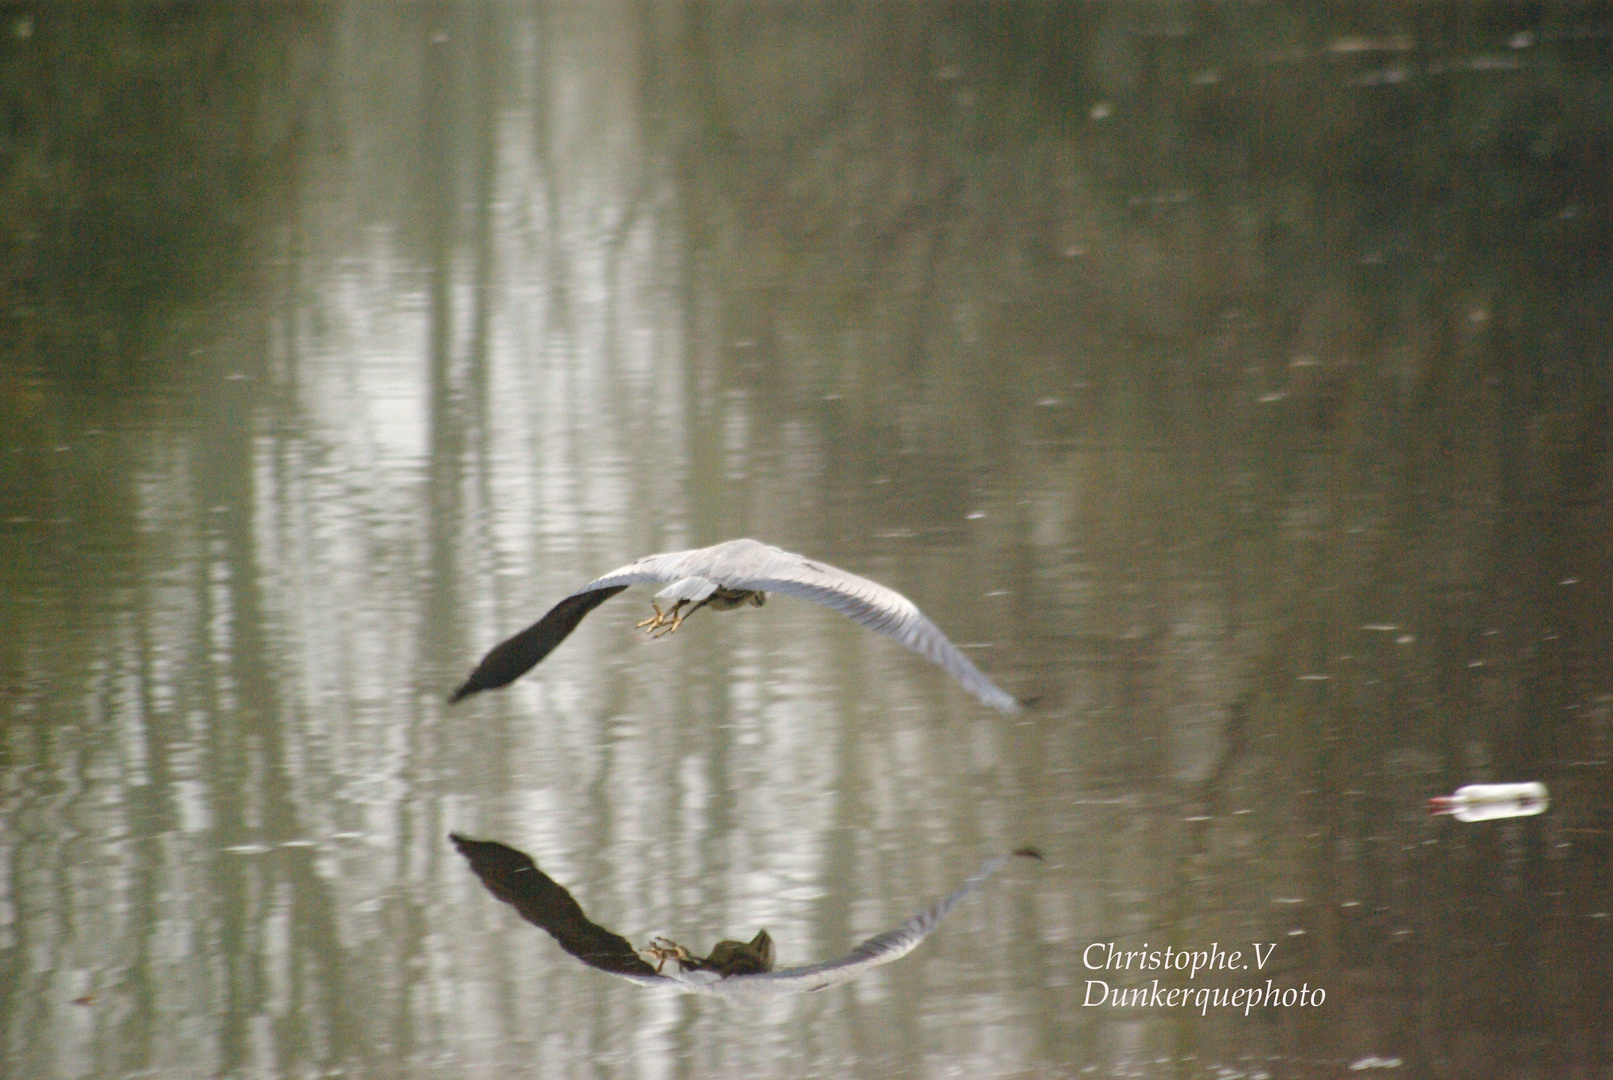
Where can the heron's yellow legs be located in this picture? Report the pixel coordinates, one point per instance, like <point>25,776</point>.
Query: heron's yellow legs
<point>663,623</point>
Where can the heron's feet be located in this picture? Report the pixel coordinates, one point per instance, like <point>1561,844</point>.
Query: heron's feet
<point>663,623</point>
<point>663,950</point>
<point>654,620</point>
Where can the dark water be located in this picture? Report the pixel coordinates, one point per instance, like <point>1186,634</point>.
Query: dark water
<point>1233,381</point>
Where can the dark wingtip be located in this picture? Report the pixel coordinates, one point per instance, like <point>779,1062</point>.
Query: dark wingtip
<point>515,656</point>
<point>1029,853</point>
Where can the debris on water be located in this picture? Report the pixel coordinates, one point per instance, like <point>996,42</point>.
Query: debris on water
<point>1484,802</point>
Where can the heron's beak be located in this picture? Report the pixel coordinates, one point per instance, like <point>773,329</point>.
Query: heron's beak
<point>758,598</point>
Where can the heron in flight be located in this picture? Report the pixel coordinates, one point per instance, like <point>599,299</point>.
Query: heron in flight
<point>723,577</point>
<point>735,970</point>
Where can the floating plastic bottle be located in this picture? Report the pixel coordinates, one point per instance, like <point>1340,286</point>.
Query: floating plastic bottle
<point>1483,802</point>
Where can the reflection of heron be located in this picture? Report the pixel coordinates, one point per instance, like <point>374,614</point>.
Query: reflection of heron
<point>723,577</point>
<point>737,970</point>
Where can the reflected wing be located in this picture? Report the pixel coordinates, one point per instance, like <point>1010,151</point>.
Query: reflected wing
<point>515,879</point>
<point>881,949</point>
<point>746,564</point>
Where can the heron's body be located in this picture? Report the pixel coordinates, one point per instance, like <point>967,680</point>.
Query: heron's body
<point>729,575</point>
<point>734,970</point>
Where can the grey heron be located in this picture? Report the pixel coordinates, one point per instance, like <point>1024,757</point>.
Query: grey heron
<point>735,970</point>
<point>723,577</point>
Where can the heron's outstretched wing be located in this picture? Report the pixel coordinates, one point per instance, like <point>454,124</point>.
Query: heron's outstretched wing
<point>743,564</point>
<point>515,879</point>
<point>515,656</point>
<point>881,949</point>
<point>748,564</point>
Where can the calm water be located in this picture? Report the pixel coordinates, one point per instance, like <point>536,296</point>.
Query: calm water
<point>1233,382</point>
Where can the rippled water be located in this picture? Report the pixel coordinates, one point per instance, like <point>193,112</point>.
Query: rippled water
<point>1232,384</point>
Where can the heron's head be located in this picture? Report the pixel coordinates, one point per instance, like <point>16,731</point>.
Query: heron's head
<point>762,945</point>
<point>741,958</point>
<point>758,598</point>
